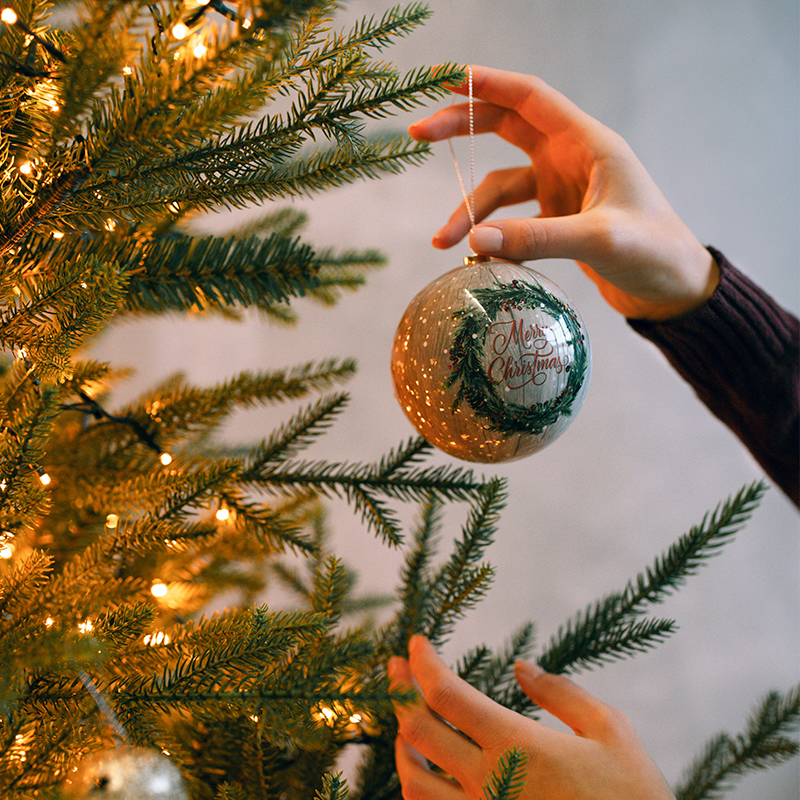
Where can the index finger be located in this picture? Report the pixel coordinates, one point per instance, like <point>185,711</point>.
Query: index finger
<point>533,99</point>
<point>487,723</point>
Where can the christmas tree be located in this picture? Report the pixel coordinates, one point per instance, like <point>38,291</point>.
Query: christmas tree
<point>121,527</point>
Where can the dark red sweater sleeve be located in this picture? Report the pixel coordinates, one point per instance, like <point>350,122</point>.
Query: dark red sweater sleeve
<point>741,354</point>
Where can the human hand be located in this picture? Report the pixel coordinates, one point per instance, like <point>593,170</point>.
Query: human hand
<point>604,760</point>
<point>598,204</point>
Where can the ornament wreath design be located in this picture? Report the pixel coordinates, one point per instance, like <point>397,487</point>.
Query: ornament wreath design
<point>467,359</point>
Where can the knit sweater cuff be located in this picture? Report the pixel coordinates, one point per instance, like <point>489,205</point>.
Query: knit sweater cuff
<point>740,353</point>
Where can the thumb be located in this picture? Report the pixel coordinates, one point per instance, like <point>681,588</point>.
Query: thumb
<point>533,238</point>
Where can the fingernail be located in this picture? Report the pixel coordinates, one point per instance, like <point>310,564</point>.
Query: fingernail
<point>485,239</point>
<point>393,665</point>
<point>526,669</point>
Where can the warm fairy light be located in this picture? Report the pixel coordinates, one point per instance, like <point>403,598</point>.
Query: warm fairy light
<point>21,352</point>
<point>200,50</point>
<point>246,24</point>
<point>127,70</point>
<point>180,30</point>
<point>49,622</point>
<point>165,459</point>
<point>328,713</point>
<point>159,589</point>
<point>252,717</point>
<point>44,479</point>
<point>112,520</point>
<point>9,16</point>
<point>85,627</point>
<point>356,718</point>
<point>26,168</point>
<point>58,234</point>
<point>157,638</point>
<point>110,224</point>
<point>6,550</point>
<point>223,514</point>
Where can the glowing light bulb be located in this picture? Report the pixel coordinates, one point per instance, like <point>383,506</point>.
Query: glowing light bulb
<point>26,168</point>
<point>58,234</point>
<point>223,514</point>
<point>9,16</point>
<point>110,224</point>
<point>159,589</point>
<point>180,30</point>
<point>355,718</point>
<point>44,479</point>
<point>246,24</point>
<point>127,71</point>
<point>6,550</point>
<point>85,627</point>
<point>49,622</point>
<point>165,459</point>
<point>200,50</point>
<point>112,520</point>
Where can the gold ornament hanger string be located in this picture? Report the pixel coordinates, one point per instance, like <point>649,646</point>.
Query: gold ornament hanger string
<point>469,197</point>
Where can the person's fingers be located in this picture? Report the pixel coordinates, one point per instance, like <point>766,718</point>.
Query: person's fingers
<point>575,707</point>
<point>486,118</point>
<point>418,780</point>
<point>455,121</point>
<point>428,733</point>
<point>500,188</point>
<point>534,238</point>
<point>540,104</point>
<point>487,723</point>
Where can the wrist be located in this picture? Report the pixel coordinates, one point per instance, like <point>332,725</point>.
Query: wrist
<point>699,279</point>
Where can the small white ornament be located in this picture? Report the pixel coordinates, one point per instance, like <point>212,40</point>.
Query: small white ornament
<point>127,773</point>
<point>491,362</point>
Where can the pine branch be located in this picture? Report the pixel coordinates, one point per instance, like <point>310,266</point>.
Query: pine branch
<point>459,584</point>
<point>508,779</point>
<point>682,560</point>
<point>494,675</point>
<point>761,745</point>
<point>334,787</point>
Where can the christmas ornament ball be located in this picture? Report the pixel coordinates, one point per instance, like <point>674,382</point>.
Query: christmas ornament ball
<point>490,361</point>
<point>126,773</point>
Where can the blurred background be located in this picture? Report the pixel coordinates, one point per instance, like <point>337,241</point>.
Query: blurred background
<point>706,92</point>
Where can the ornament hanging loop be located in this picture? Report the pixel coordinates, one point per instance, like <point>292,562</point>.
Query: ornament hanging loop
<point>469,197</point>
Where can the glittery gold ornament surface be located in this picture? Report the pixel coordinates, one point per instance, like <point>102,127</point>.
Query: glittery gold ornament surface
<point>126,773</point>
<point>491,362</point>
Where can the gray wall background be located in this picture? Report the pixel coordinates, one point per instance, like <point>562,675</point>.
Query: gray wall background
<point>706,91</point>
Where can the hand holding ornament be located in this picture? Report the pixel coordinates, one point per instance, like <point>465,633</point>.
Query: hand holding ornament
<point>603,760</point>
<point>598,205</point>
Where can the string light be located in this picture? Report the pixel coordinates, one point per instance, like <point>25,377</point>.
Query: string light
<point>127,71</point>
<point>110,224</point>
<point>165,459</point>
<point>112,520</point>
<point>159,589</point>
<point>180,30</point>
<point>223,514</point>
<point>157,638</point>
<point>58,234</point>
<point>9,16</point>
<point>6,550</point>
<point>200,50</point>
<point>85,627</point>
<point>26,168</point>
<point>44,478</point>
